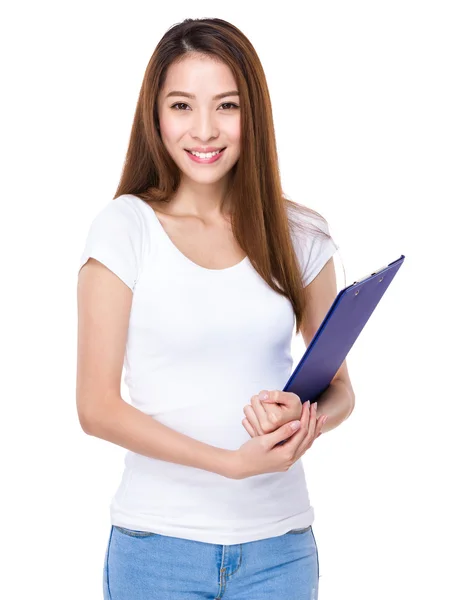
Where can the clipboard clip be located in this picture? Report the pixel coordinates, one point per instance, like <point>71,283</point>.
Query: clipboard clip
<point>371,275</point>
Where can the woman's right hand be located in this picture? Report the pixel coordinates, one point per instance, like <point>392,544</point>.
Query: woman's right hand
<point>261,454</point>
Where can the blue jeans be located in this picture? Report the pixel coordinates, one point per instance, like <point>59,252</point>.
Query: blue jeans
<point>141,565</point>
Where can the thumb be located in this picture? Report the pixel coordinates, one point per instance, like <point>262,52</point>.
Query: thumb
<point>284,432</point>
<point>285,398</point>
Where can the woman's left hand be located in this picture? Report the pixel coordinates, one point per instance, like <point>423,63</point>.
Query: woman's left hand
<point>265,415</point>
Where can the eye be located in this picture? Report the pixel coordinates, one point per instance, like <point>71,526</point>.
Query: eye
<point>178,104</point>
<point>230,104</point>
<point>184,104</point>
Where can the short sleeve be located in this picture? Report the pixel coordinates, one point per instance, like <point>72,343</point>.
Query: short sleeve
<point>320,249</point>
<point>314,247</point>
<point>115,239</point>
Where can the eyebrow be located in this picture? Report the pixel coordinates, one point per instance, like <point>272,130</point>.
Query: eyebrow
<point>217,97</point>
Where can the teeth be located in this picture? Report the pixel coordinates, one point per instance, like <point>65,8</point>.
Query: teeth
<point>204,155</point>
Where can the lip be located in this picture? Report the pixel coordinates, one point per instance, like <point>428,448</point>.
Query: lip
<point>204,150</point>
<point>205,161</point>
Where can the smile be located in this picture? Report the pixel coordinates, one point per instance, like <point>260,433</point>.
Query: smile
<point>207,158</point>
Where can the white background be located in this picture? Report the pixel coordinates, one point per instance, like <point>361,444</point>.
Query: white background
<point>360,100</point>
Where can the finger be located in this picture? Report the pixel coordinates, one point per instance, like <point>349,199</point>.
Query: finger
<point>298,442</point>
<point>273,416</point>
<point>280,397</point>
<point>320,424</point>
<point>252,418</point>
<point>294,441</point>
<point>312,424</point>
<point>249,428</point>
<point>260,413</point>
<point>305,415</point>
<point>311,435</point>
<point>281,407</point>
<point>277,415</point>
<point>269,396</point>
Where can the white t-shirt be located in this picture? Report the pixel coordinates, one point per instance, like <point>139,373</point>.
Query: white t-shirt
<point>200,343</point>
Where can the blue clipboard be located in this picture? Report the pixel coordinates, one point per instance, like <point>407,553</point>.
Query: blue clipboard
<point>336,335</point>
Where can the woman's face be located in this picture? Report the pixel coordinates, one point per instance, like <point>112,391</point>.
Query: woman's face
<point>200,121</point>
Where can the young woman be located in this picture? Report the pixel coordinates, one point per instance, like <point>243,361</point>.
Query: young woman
<point>197,274</point>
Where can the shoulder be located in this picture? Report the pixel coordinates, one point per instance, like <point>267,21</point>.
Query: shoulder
<point>124,210</point>
<point>311,238</point>
<point>308,229</point>
<point>305,219</point>
<point>118,238</point>
<point>124,220</point>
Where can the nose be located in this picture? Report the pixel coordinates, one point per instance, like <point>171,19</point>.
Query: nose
<point>204,126</point>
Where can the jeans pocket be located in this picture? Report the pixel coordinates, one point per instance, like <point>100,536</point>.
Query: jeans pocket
<point>133,532</point>
<point>303,530</point>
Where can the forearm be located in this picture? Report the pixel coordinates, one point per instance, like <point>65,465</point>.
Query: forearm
<point>337,402</point>
<point>127,426</point>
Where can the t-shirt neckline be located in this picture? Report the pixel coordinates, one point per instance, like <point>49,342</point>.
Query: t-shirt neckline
<point>181,254</point>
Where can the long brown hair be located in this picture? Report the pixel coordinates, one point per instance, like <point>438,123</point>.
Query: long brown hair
<point>262,217</point>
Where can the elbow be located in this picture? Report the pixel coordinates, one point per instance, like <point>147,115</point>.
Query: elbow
<point>351,405</point>
<point>92,414</point>
<point>84,412</point>
<point>87,417</point>
<point>86,423</point>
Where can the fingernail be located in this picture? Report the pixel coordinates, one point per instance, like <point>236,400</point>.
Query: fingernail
<point>295,425</point>
<point>263,395</point>
<point>325,419</point>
